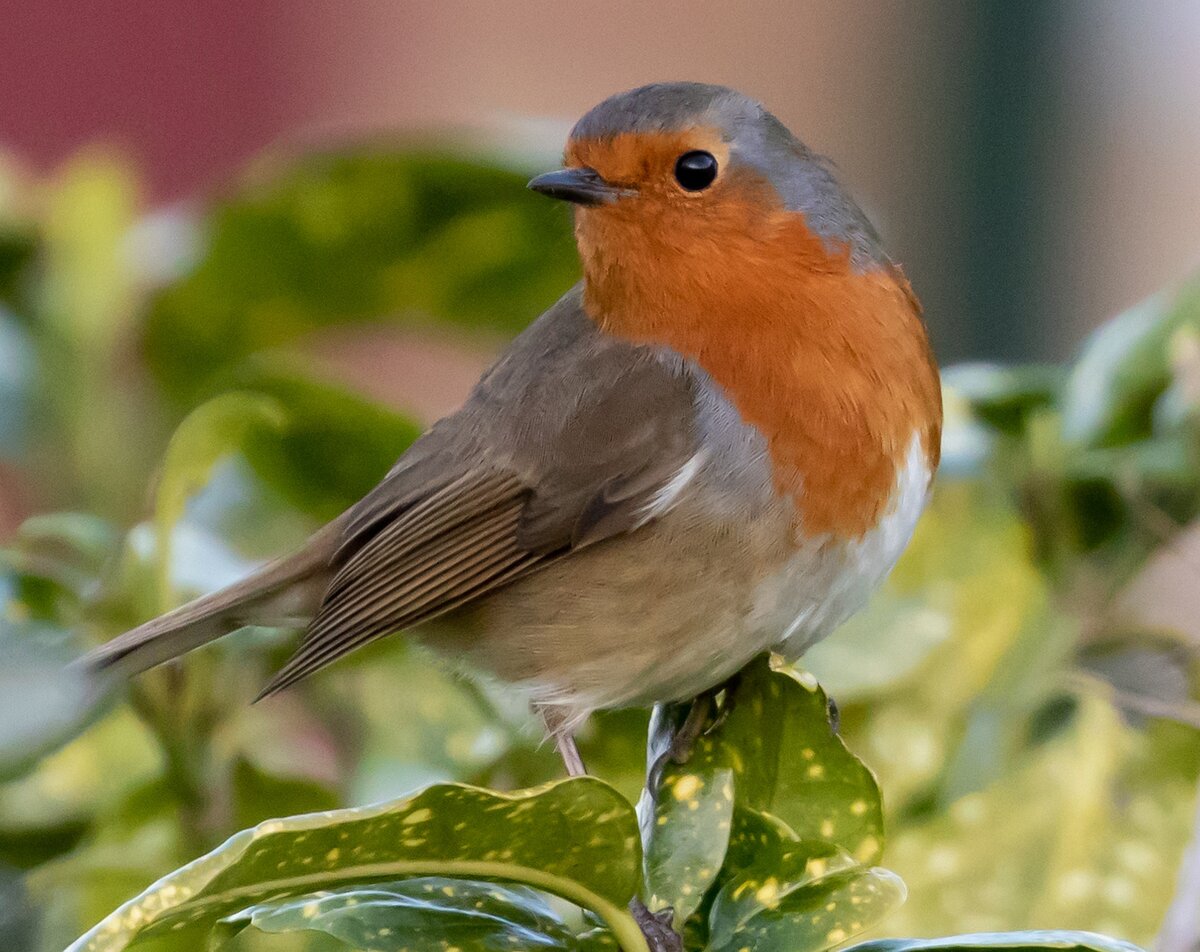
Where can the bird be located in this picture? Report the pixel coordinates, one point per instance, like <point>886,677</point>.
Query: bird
<point>715,445</point>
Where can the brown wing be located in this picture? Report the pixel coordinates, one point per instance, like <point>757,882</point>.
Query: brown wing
<point>578,441</point>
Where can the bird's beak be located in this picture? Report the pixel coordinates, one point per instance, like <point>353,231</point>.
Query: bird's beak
<point>580,185</point>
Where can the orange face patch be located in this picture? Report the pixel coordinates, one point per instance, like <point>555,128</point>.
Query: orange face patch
<point>646,160</point>
<point>832,365</point>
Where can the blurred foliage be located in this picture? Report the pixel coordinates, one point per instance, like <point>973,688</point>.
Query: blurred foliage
<point>1038,751</point>
<point>339,238</point>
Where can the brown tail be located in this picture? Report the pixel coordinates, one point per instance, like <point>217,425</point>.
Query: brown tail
<point>214,616</point>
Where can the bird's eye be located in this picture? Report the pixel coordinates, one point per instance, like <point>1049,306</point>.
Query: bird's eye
<point>696,170</point>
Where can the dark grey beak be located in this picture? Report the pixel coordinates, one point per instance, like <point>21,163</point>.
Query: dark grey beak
<point>581,185</point>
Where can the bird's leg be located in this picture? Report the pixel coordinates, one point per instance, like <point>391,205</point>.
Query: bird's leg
<point>683,738</point>
<point>564,740</point>
<point>569,751</point>
<point>656,927</point>
<point>694,724</point>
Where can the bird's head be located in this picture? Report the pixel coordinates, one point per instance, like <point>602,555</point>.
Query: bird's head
<point>695,180</point>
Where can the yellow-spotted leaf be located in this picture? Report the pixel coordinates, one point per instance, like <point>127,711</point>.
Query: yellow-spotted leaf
<point>803,897</point>
<point>789,760</point>
<point>427,914</point>
<point>686,830</point>
<point>577,839</point>
<point>1095,821</point>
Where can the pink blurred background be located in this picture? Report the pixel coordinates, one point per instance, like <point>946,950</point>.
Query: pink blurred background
<point>1032,164</point>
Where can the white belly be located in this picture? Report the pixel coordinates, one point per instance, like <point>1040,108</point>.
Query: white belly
<point>825,583</point>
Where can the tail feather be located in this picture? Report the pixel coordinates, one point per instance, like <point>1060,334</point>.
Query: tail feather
<point>213,616</point>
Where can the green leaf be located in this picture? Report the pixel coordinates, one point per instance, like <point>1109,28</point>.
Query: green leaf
<point>47,701</point>
<point>1003,397</point>
<point>258,794</point>
<point>1124,368</point>
<point>776,750</point>
<point>805,897</point>
<point>1094,821</point>
<point>1031,941</point>
<point>576,838</point>
<point>687,832</point>
<point>336,445</point>
<point>425,914</point>
<point>788,760</point>
<point>87,539</point>
<point>219,427</point>
<point>363,235</point>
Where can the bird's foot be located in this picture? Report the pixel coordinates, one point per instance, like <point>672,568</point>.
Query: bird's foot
<point>657,927</point>
<point>693,727</point>
<point>707,712</point>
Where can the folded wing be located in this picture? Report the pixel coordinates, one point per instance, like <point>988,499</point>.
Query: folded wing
<point>571,439</point>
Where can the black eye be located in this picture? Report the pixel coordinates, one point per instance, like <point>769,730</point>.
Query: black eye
<point>696,170</point>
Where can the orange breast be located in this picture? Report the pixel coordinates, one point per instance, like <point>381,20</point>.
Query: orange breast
<point>830,364</point>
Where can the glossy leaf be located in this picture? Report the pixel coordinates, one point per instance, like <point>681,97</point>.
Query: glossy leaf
<point>686,833</point>
<point>577,839</point>
<point>808,897</point>
<point>1032,941</point>
<point>775,750</point>
<point>425,914</point>
<point>84,539</point>
<point>1095,819</point>
<point>788,760</point>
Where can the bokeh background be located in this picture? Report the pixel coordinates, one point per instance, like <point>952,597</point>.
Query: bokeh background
<point>300,231</point>
<point>1032,163</point>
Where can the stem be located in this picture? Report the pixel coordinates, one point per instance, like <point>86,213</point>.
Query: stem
<point>183,755</point>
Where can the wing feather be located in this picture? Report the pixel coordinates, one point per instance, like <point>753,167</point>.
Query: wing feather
<point>421,566</point>
<point>572,438</point>
<point>442,512</point>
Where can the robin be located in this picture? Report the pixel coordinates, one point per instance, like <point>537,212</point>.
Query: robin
<point>716,444</point>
